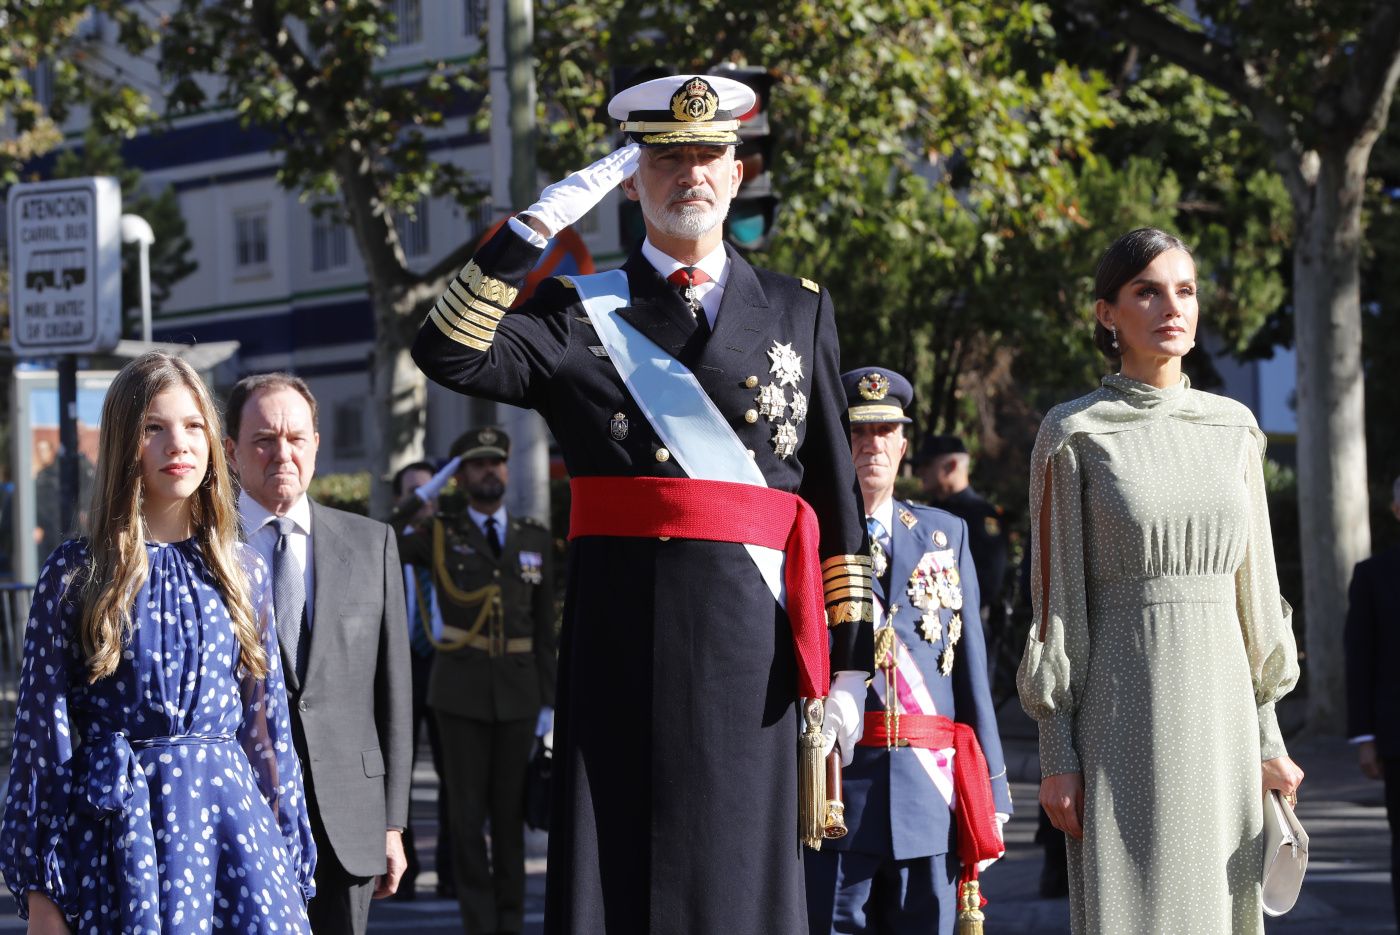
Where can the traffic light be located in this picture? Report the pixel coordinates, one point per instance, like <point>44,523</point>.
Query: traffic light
<point>631,227</point>
<point>754,209</point>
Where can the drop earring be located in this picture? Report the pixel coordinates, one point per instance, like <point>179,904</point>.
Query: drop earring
<point>1114,329</point>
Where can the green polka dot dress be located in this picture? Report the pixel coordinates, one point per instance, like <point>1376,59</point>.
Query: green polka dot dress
<point>1166,646</point>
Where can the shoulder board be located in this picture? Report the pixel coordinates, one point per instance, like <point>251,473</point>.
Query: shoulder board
<point>566,281</point>
<point>811,286</point>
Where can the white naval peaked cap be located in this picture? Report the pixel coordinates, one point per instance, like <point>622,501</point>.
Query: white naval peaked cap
<point>683,109</point>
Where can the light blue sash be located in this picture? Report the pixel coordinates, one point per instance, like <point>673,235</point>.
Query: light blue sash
<point>678,408</point>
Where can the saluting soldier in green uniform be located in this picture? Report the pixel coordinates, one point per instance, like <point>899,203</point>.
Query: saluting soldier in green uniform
<point>492,683</point>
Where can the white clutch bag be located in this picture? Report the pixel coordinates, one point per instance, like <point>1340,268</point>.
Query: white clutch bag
<point>1285,855</point>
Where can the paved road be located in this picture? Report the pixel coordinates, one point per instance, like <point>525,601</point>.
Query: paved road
<point>1347,890</point>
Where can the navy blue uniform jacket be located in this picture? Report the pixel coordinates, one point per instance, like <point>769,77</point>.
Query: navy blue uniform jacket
<point>893,808</point>
<point>675,807</point>
<point>1373,651</point>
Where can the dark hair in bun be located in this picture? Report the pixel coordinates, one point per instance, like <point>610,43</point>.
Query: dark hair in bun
<point>1121,263</point>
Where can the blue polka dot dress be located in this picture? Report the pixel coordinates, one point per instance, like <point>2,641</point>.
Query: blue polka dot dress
<point>167,797</point>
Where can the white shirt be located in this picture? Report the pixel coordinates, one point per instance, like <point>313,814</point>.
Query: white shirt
<point>262,535</point>
<point>716,264</point>
<point>480,519</point>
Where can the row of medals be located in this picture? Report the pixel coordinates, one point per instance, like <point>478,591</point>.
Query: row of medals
<point>929,593</point>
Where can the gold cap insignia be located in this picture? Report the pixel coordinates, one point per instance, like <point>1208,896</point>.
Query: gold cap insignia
<point>695,102</point>
<point>874,385</point>
<point>487,437</point>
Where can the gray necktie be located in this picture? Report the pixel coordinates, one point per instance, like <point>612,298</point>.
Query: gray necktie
<point>289,600</point>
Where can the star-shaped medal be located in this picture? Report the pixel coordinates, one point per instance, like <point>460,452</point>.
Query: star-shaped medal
<point>784,439</point>
<point>786,364</point>
<point>930,626</point>
<point>772,401</point>
<point>799,405</point>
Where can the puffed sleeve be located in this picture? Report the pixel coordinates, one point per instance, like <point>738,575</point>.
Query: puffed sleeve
<point>266,735</point>
<point>1265,617</point>
<point>1053,669</point>
<point>34,852</point>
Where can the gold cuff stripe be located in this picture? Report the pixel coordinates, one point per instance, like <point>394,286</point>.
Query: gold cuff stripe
<point>455,335</point>
<point>485,287</point>
<point>459,319</point>
<point>864,560</point>
<point>853,590</point>
<point>663,126</point>
<point>840,571</point>
<point>894,412</point>
<point>692,136</point>
<point>464,300</point>
<point>462,324</point>
<point>460,294</point>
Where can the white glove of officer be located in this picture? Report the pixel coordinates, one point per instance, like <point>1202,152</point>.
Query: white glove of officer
<point>1002,819</point>
<point>570,198</point>
<point>432,488</point>
<point>844,714</point>
<point>544,727</point>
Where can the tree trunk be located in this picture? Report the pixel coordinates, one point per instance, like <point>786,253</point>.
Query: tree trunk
<point>400,394</point>
<point>1332,495</point>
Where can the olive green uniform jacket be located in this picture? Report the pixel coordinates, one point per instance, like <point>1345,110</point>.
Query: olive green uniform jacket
<point>501,608</point>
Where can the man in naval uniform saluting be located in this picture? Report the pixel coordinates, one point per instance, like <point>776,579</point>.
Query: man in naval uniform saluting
<point>718,569</point>
<point>926,794</point>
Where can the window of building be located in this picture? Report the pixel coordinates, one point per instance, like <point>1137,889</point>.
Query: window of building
<point>250,239</point>
<point>407,28</point>
<point>475,16</point>
<point>329,244</point>
<point>479,220</point>
<point>588,224</point>
<point>348,437</point>
<point>413,230</point>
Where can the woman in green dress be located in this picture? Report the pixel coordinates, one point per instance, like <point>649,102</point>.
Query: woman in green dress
<point>1160,641</point>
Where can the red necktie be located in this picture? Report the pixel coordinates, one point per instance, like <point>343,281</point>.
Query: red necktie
<point>686,279</point>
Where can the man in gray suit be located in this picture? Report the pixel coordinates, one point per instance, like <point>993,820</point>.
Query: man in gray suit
<point>339,600</point>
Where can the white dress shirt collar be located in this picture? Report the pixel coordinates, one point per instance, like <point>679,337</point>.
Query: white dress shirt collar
<point>480,519</point>
<point>256,516</point>
<point>715,264</point>
<point>884,513</point>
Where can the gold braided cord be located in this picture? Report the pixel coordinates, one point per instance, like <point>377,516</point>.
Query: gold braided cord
<point>456,335</point>
<point>486,287</point>
<point>692,136</point>
<point>489,597</point>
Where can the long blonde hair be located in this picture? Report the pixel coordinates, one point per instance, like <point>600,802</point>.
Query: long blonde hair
<point>117,566</point>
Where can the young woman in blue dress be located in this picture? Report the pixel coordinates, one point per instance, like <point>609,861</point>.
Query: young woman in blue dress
<point>154,786</point>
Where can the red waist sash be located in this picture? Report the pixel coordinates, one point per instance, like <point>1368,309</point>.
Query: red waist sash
<point>979,836</point>
<point>720,511</point>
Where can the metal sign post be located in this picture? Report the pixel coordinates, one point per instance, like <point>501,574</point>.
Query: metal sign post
<point>65,291</point>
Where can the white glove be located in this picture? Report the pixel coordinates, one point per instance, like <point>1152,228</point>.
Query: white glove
<point>843,719</point>
<point>570,198</point>
<point>432,488</point>
<point>545,724</point>
<point>1002,819</point>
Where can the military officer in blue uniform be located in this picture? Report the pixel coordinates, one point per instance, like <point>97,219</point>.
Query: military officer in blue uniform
<point>896,871</point>
<point>676,785</point>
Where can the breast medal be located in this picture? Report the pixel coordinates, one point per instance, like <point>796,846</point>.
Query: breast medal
<point>619,425</point>
<point>785,363</point>
<point>531,567</point>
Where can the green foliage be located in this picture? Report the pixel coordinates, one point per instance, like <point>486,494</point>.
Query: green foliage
<point>349,492</point>
<point>169,255</point>
<point>44,38</point>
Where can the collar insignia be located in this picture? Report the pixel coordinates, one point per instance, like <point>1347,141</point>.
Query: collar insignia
<point>907,519</point>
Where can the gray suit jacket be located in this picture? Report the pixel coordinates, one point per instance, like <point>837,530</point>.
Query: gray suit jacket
<point>352,715</point>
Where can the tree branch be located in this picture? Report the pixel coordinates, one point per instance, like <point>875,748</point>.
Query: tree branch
<point>1217,63</point>
<point>1364,93</point>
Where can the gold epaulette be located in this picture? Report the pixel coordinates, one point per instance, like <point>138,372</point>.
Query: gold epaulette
<point>847,582</point>
<point>472,307</point>
<point>811,286</point>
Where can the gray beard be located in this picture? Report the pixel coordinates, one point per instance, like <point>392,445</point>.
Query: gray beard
<point>688,222</point>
